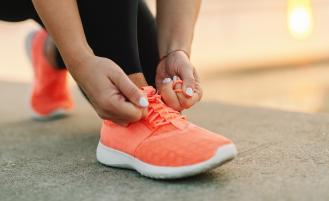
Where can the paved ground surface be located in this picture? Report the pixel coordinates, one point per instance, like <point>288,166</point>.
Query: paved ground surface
<point>283,156</point>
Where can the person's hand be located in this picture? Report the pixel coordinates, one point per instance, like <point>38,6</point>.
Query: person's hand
<point>113,95</point>
<point>178,64</point>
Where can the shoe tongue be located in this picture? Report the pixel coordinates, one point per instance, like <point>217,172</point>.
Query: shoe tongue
<point>148,90</point>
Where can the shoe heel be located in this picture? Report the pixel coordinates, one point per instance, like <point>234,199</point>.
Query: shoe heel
<point>111,157</point>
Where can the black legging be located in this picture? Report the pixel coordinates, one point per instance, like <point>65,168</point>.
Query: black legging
<point>121,30</point>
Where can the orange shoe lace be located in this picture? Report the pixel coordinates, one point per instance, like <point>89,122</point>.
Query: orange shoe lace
<point>160,114</point>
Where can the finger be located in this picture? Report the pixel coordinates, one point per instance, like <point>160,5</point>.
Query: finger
<point>115,105</point>
<point>144,112</point>
<point>129,89</point>
<point>124,111</point>
<point>120,122</point>
<point>198,91</point>
<point>197,86</point>
<point>168,94</point>
<point>187,76</point>
<point>184,101</point>
<point>177,84</point>
<point>161,75</point>
<point>175,78</point>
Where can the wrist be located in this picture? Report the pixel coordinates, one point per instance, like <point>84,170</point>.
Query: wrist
<point>175,51</point>
<point>165,50</point>
<point>74,57</point>
<point>171,41</point>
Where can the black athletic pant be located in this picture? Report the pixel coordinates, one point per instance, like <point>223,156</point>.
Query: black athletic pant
<point>121,30</point>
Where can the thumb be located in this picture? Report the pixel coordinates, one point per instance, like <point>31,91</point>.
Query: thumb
<point>188,81</point>
<point>130,90</point>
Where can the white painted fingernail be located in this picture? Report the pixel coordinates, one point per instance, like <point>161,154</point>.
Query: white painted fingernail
<point>175,78</point>
<point>189,91</point>
<point>166,80</point>
<point>143,102</point>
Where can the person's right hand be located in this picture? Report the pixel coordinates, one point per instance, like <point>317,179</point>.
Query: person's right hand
<point>113,95</point>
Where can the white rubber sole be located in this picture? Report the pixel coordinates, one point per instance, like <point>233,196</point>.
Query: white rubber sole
<point>56,114</point>
<point>115,158</point>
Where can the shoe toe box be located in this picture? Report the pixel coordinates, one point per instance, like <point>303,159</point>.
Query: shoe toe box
<point>180,148</point>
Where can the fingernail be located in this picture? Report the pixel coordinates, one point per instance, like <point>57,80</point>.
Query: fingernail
<point>143,102</point>
<point>189,91</point>
<point>166,80</point>
<point>175,78</point>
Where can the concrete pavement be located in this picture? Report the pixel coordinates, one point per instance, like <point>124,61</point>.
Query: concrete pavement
<point>282,156</point>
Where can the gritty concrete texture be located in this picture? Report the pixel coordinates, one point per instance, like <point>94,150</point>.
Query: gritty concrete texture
<point>283,156</point>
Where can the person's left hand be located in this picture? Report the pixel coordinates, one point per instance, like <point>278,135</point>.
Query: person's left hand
<point>183,95</point>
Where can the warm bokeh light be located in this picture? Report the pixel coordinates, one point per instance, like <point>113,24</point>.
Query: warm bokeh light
<point>300,19</point>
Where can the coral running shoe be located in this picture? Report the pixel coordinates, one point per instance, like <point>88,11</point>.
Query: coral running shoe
<point>50,96</point>
<point>163,145</point>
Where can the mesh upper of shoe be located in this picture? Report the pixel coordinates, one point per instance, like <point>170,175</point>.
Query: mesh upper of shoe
<point>171,140</point>
<point>50,84</point>
<point>181,147</point>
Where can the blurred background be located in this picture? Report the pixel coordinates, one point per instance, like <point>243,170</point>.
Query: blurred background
<point>272,53</point>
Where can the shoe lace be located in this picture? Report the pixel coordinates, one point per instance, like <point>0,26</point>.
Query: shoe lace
<point>159,114</point>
